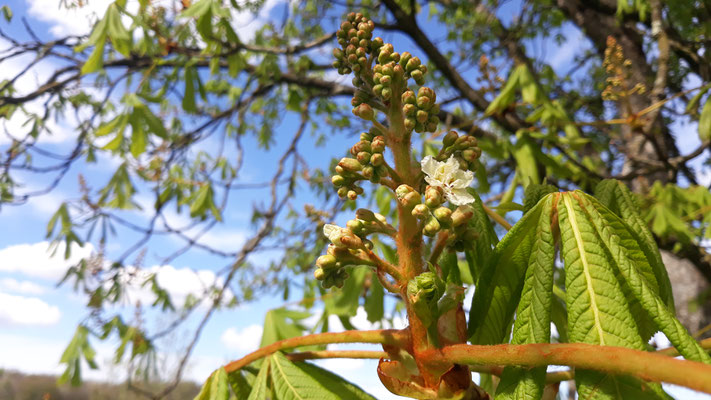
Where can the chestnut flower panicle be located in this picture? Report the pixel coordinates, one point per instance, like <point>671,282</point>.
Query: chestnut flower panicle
<point>448,176</point>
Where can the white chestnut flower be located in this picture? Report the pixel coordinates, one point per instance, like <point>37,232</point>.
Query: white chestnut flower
<point>448,176</point>
<point>334,233</point>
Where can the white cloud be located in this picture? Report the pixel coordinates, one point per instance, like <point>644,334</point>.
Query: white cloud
<point>242,340</point>
<point>65,21</point>
<point>22,287</point>
<point>35,260</point>
<point>19,310</point>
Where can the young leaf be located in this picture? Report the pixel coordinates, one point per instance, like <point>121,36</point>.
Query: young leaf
<point>533,316</point>
<point>478,253</point>
<point>616,196</point>
<point>120,37</point>
<point>259,388</point>
<point>500,284</point>
<point>240,387</point>
<point>373,304</point>
<point>614,234</point>
<point>277,327</point>
<point>507,94</point>
<point>598,312</point>
<point>705,122</point>
<point>296,382</point>
<point>189,104</point>
<point>216,387</point>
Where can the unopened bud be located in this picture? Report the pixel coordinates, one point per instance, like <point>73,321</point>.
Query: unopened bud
<point>386,93</point>
<point>366,137</point>
<point>378,144</point>
<point>409,110</point>
<point>431,227</point>
<point>350,164</point>
<point>326,262</point>
<point>338,180</point>
<point>434,196</point>
<point>470,155</point>
<point>363,157</point>
<point>408,97</point>
<point>461,215</point>
<point>377,159</point>
<point>364,111</point>
<point>368,172</point>
<point>412,64</point>
<point>444,216</point>
<point>449,138</point>
<point>410,123</point>
<point>421,211</point>
<point>424,103</point>
<point>342,192</point>
<point>319,274</point>
<point>418,77</point>
<point>405,57</point>
<point>352,195</point>
<point>421,116</point>
<point>356,226</point>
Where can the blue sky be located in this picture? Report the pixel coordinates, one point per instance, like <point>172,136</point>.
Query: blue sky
<point>37,319</point>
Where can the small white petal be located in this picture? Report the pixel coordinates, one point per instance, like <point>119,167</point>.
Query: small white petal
<point>451,166</point>
<point>429,166</point>
<point>331,231</point>
<point>461,179</point>
<point>459,197</point>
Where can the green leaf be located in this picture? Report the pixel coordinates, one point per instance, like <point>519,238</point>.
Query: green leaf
<point>139,140</point>
<point>197,9</point>
<point>96,59</point>
<point>281,323</point>
<point>189,104</point>
<point>533,316</point>
<point>7,13</point>
<point>79,346</point>
<point>240,387</point>
<point>615,236</point>
<point>345,301</point>
<point>507,94</point>
<point>120,37</point>
<point>598,312</point>
<point>694,102</point>
<point>705,122</point>
<point>499,287</point>
<point>216,387</point>
<point>616,196</point>
<point>292,381</point>
<point>478,253</point>
<point>374,305</point>
<point>525,156</point>
<point>259,388</point>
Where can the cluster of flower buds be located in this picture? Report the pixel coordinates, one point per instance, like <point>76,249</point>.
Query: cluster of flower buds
<point>385,74</point>
<point>354,37</point>
<point>424,291</point>
<point>421,112</point>
<point>434,215</point>
<point>413,68</point>
<point>349,246</point>
<point>463,148</point>
<point>368,163</point>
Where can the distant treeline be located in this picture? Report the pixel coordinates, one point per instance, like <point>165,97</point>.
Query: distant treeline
<point>19,386</point>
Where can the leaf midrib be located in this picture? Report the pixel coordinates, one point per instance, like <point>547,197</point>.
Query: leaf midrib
<point>293,389</point>
<point>586,267</point>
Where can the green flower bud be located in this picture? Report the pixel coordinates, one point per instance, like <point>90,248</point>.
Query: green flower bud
<point>419,128</point>
<point>365,215</point>
<point>386,80</point>
<point>434,196</point>
<point>395,57</point>
<point>346,25</point>
<point>461,215</point>
<point>430,127</point>
<point>319,274</point>
<point>402,190</point>
<point>421,211</point>
<point>337,64</point>
<point>350,49</point>
<point>444,216</point>
<point>342,192</point>
<point>449,138</point>
<point>408,97</point>
<point>377,159</point>
<point>352,59</point>
<point>338,180</point>
<point>377,77</point>
<point>368,172</point>
<point>433,119</point>
<point>386,93</point>
<point>364,111</point>
<point>412,64</point>
<point>350,164</point>
<point>431,227</point>
<point>326,262</point>
<point>410,123</point>
<point>377,89</point>
<point>388,69</point>
<point>423,69</point>
<point>421,116</point>
<point>356,226</point>
<point>366,137</point>
<point>340,170</point>
<point>354,41</point>
<point>376,44</point>
<point>410,110</point>
<point>398,71</point>
<point>360,51</point>
<point>378,144</point>
<point>470,155</point>
<point>363,157</point>
<point>405,57</point>
<point>424,103</point>
<point>352,195</point>
<point>418,77</point>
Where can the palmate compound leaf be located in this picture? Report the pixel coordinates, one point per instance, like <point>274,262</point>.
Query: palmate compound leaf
<point>618,198</point>
<point>481,249</point>
<point>533,316</point>
<point>304,381</point>
<point>216,387</point>
<point>598,270</point>
<point>499,286</point>
<point>615,235</point>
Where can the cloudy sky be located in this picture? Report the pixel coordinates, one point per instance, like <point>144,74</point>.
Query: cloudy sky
<point>37,318</point>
